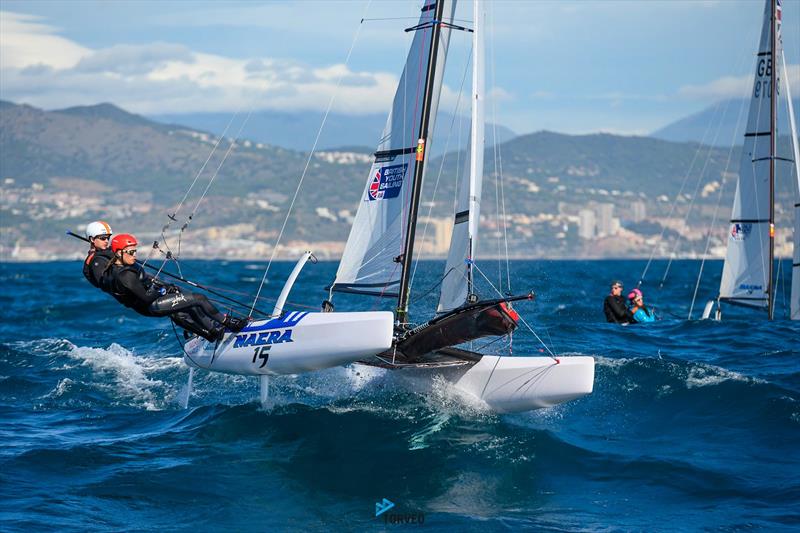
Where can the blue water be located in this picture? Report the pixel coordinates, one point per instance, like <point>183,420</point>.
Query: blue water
<point>692,425</point>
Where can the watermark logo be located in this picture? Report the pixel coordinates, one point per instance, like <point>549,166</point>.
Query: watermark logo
<point>401,517</point>
<point>382,507</point>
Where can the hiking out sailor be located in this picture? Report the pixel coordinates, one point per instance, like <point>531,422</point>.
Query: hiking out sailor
<point>134,288</point>
<point>99,235</point>
<point>641,313</point>
<point>614,306</point>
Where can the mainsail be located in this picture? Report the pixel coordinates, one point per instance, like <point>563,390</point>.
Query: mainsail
<point>746,274</point>
<point>371,263</point>
<point>457,282</point>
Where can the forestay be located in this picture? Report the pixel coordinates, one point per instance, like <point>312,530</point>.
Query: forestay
<point>457,282</point>
<point>745,276</point>
<point>370,264</point>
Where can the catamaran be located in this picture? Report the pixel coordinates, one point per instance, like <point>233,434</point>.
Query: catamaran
<point>748,277</point>
<point>378,259</point>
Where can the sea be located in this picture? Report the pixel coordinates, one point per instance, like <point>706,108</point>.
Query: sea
<point>692,425</point>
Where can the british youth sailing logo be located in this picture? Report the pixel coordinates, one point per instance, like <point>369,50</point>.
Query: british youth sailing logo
<point>386,182</point>
<point>739,231</point>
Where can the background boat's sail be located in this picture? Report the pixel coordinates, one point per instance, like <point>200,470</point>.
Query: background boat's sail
<point>457,282</point>
<point>794,306</point>
<point>368,265</point>
<point>745,276</point>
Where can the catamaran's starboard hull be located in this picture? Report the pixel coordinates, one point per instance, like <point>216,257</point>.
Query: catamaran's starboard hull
<point>297,342</point>
<point>514,384</point>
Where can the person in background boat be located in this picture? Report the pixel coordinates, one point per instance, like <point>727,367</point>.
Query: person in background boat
<point>614,306</point>
<point>134,288</point>
<point>641,313</point>
<point>99,235</point>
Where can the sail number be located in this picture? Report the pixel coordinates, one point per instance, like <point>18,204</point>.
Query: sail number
<point>261,352</point>
<point>762,88</point>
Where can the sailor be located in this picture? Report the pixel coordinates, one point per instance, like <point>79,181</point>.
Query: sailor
<point>99,234</point>
<point>614,306</point>
<point>641,313</point>
<point>146,295</point>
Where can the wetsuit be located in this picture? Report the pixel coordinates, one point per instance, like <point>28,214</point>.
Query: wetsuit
<point>616,311</point>
<point>134,288</point>
<point>94,266</point>
<point>643,314</point>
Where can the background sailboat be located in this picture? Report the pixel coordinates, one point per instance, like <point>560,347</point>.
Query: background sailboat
<point>748,273</point>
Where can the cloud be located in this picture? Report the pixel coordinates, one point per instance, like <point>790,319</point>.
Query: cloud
<point>131,60</point>
<point>43,69</point>
<point>27,42</point>
<point>733,87</point>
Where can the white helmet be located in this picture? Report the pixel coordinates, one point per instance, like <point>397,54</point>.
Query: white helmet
<point>98,227</point>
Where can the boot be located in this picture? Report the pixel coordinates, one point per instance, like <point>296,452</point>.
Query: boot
<point>235,324</point>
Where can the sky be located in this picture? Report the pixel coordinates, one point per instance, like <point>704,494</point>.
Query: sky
<point>624,67</point>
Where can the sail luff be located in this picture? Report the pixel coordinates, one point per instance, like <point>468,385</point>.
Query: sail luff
<point>407,255</point>
<point>794,299</point>
<point>457,283</point>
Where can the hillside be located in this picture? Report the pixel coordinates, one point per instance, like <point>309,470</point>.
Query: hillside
<point>62,168</point>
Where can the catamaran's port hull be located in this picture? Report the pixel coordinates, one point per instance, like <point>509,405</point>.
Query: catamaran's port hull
<point>512,384</point>
<point>295,343</point>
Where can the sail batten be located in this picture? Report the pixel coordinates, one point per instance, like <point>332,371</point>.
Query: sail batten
<point>371,262</point>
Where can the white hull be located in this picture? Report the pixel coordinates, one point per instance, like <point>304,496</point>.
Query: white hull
<point>298,342</point>
<point>512,384</point>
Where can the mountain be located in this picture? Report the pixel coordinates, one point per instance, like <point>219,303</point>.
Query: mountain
<point>721,124</point>
<point>298,130</point>
<point>59,169</point>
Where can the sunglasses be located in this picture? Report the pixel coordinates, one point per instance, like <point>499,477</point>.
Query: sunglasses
<point>102,237</point>
<point>129,252</point>
<point>617,287</point>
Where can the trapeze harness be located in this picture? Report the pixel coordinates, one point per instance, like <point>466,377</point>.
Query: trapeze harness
<point>134,288</point>
<point>95,265</point>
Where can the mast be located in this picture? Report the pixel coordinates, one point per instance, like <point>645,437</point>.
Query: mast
<point>406,258</point>
<point>477,138</point>
<point>773,94</point>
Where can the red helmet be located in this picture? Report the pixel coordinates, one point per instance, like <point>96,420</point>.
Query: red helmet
<point>122,241</point>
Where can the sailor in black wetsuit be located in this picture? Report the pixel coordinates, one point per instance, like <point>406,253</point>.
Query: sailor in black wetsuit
<point>99,235</point>
<point>133,288</point>
<point>614,306</point>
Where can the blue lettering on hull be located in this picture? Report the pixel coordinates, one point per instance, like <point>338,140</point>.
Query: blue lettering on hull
<point>263,339</point>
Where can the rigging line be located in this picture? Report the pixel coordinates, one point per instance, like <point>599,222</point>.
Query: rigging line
<point>216,173</point>
<point>552,355</point>
<point>700,147</point>
<point>708,243</point>
<point>308,162</point>
<point>499,155</point>
<point>441,168</point>
<point>700,177</point>
<point>716,209</point>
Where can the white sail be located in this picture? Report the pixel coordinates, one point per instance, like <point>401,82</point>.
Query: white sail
<point>745,276</point>
<point>457,282</point>
<point>369,264</point>
<point>794,305</point>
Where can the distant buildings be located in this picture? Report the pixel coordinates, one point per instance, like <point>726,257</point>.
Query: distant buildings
<point>586,224</point>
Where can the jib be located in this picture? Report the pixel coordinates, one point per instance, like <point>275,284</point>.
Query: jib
<point>261,339</point>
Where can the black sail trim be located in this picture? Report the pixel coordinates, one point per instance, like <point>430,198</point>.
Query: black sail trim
<point>462,216</point>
